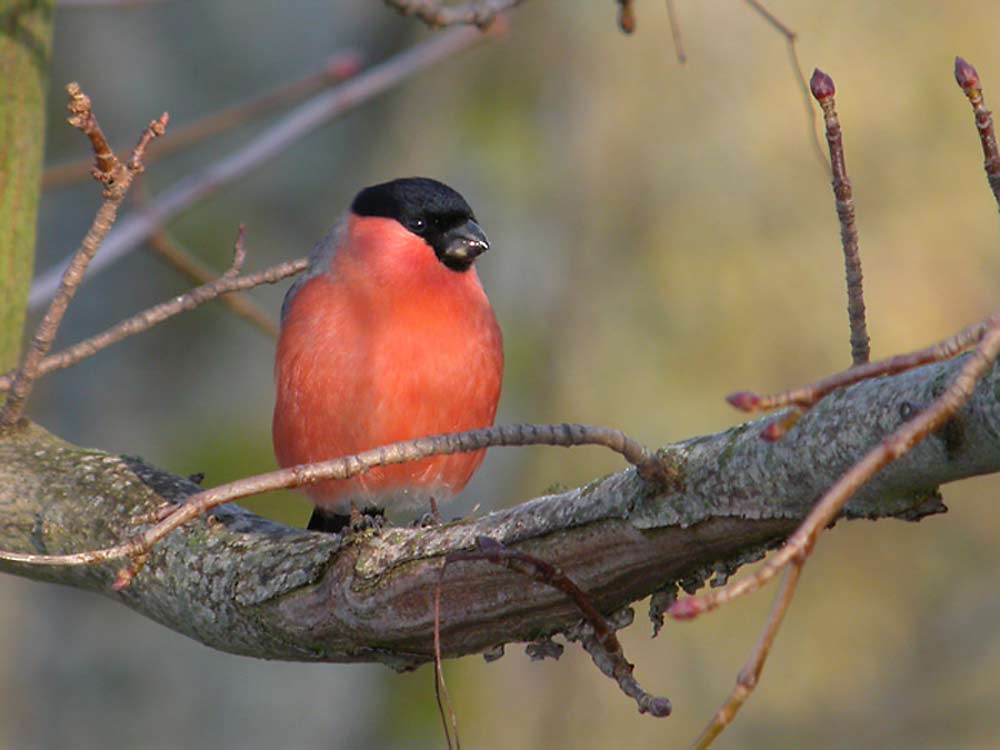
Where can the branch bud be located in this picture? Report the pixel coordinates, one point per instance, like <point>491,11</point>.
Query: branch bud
<point>687,609</point>
<point>966,75</point>
<point>743,400</point>
<point>774,431</point>
<point>821,85</point>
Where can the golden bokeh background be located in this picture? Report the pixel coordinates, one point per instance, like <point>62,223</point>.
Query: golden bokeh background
<point>664,234</point>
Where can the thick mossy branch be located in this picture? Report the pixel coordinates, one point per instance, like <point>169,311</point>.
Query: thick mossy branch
<point>240,583</point>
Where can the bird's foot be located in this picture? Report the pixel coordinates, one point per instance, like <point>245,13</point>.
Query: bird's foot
<point>369,518</point>
<point>431,518</point>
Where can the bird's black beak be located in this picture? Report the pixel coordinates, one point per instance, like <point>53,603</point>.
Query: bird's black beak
<point>461,245</point>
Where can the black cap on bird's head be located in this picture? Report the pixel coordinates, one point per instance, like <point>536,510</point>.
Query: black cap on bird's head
<point>431,210</point>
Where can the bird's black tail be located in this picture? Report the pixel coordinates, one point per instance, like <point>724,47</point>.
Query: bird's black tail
<point>335,523</point>
<point>324,520</point>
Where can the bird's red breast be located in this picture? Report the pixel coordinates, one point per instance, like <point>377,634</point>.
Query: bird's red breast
<point>385,344</point>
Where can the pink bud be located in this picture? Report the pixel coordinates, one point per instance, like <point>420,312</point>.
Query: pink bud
<point>343,65</point>
<point>743,400</point>
<point>125,576</point>
<point>686,609</point>
<point>774,431</point>
<point>965,74</point>
<point>821,85</point>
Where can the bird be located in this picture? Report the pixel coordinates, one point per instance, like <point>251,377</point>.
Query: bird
<point>387,336</point>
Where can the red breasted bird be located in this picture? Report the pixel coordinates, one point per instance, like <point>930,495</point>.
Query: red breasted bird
<point>388,336</point>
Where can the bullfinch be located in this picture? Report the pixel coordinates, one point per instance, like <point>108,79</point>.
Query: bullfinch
<point>388,336</point>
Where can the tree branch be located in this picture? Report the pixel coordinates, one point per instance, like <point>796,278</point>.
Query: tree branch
<point>155,315</point>
<point>246,585</point>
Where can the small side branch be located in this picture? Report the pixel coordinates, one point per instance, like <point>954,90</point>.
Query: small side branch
<point>600,642</point>
<point>968,80</point>
<point>153,316</point>
<point>116,178</point>
<point>808,396</point>
<point>823,89</point>
<point>193,269</point>
<point>749,676</point>
<point>791,40</point>
<point>675,32</point>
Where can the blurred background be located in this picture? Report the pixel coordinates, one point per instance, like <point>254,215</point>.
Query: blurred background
<point>663,234</point>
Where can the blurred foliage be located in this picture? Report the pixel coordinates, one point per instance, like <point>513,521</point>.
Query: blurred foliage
<point>663,235</point>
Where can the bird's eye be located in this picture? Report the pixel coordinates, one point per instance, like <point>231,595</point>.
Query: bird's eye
<point>417,225</point>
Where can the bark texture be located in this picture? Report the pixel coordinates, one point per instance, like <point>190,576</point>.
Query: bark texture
<point>243,584</point>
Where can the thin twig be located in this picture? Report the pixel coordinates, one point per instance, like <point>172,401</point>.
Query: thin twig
<point>772,19</point>
<point>791,40</point>
<point>900,442</point>
<point>808,396</point>
<point>823,89</point>
<point>337,68</point>
<point>604,646</point>
<point>675,32</point>
<point>650,467</point>
<point>480,13</point>
<point>193,269</point>
<point>116,179</point>
<point>440,686</point>
<point>968,80</point>
<point>146,319</point>
<point>134,229</point>
<point>749,675</point>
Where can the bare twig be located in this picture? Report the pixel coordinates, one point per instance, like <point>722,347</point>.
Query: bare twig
<point>791,40</point>
<point>193,269</point>
<point>337,68</point>
<point>480,13</point>
<point>146,319</point>
<point>440,686</point>
<point>675,32</point>
<point>772,19</point>
<point>604,646</point>
<point>749,676</point>
<point>808,396</point>
<point>823,89</point>
<point>134,229</point>
<point>650,467</point>
<point>900,442</point>
<point>116,178</point>
<point>968,80</point>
